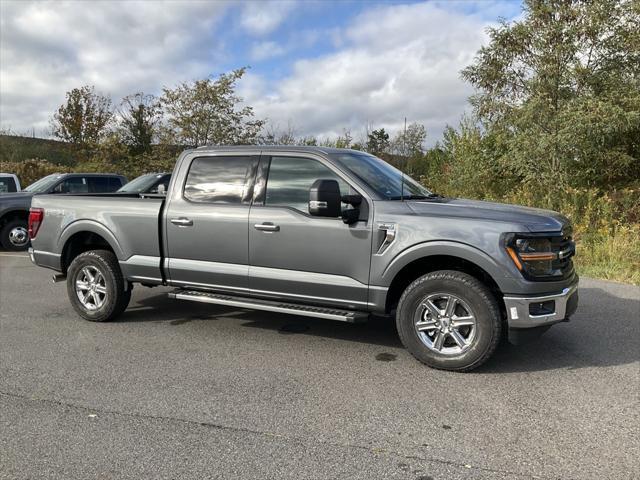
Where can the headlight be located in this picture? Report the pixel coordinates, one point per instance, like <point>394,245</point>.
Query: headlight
<point>540,256</point>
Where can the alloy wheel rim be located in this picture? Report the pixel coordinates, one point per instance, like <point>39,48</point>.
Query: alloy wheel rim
<point>445,324</point>
<point>18,236</point>
<point>91,288</point>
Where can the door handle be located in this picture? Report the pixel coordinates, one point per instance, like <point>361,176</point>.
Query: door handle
<point>182,222</point>
<point>267,227</point>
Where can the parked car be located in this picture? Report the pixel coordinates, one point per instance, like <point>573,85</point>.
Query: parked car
<point>9,183</point>
<point>320,232</point>
<point>148,183</point>
<point>14,207</point>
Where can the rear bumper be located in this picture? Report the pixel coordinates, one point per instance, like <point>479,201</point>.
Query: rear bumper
<point>541,311</point>
<point>45,259</point>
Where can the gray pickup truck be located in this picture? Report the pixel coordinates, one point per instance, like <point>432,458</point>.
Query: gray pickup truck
<point>14,206</point>
<point>320,232</point>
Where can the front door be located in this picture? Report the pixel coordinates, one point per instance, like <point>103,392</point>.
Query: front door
<point>302,258</point>
<point>207,221</point>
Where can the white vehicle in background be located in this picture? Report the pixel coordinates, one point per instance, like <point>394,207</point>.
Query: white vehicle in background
<point>9,183</point>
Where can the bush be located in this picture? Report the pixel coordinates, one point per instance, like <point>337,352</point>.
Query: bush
<point>28,171</point>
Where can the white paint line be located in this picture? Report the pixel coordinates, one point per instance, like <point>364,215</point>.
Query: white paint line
<point>13,255</point>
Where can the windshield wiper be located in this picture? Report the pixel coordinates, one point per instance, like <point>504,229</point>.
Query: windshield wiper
<point>416,197</point>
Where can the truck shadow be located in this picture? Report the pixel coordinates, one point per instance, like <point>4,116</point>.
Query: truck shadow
<point>605,331</point>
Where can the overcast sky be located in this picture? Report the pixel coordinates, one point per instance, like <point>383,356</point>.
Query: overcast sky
<point>320,67</point>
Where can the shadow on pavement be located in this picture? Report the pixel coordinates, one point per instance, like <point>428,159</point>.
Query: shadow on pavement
<point>605,331</point>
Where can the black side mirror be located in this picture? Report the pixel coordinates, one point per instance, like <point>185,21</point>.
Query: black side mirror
<point>324,198</point>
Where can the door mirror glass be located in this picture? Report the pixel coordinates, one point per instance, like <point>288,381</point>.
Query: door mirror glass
<point>325,198</point>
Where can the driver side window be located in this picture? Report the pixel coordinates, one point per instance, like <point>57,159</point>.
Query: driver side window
<point>290,178</point>
<point>73,185</point>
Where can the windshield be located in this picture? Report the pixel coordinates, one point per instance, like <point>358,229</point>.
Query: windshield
<point>142,184</point>
<point>44,184</point>
<point>382,177</point>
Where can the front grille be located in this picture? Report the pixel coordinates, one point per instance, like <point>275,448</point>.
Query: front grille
<point>565,247</point>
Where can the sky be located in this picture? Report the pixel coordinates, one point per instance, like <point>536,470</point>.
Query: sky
<point>315,67</point>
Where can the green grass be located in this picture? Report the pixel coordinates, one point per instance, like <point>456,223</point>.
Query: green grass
<point>611,256</point>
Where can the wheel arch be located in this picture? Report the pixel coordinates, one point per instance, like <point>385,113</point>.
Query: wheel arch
<point>81,237</point>
<point>441,256</point>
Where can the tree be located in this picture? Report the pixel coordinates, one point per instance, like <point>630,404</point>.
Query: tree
<point>84,119</point>
<point>209,112</point>
<point>410,143</point>
<point>139,118</point>
<point>273,135</point>
<point>344,140</point>
<point>559,92</point>
<point>377,142</point>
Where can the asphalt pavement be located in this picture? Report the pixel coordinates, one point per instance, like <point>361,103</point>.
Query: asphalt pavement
<point>178,390</point>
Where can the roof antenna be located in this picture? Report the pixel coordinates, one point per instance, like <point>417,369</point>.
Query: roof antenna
<point>404,153</point>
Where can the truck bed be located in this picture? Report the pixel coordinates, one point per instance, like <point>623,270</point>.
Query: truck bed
<point>128,222</point>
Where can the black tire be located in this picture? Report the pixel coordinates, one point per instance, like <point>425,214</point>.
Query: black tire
<point>6,233</point>
<point>470,294</point>
<point>117,290</point>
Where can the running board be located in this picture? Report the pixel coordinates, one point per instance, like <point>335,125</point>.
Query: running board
<point>270,306</point>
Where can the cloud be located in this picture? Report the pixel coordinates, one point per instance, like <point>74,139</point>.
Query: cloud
<point>47,48</point>
<point>393,62</point>
<point>266,50</point>
<point>390,62</point>
<point>261,18</point>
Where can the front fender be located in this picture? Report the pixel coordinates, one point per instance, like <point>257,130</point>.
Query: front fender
<point>474,255</point>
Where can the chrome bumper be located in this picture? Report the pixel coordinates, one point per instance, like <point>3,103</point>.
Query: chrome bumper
<point>551,308</point>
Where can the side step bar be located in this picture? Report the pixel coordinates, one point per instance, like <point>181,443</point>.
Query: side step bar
<point>270,306</point>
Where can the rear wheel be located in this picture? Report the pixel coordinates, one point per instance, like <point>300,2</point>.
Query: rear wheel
<point>449,320</point>
<point>96,287</point>
<point>14,235</point>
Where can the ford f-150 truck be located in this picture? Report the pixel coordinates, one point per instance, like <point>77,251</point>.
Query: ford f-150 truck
<point>321,232</point>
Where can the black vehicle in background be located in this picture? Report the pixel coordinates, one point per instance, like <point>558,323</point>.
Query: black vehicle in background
<point>14,207</point>
<point>148,183</point>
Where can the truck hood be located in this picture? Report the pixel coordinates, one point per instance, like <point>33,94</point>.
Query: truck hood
<point>534,219</point>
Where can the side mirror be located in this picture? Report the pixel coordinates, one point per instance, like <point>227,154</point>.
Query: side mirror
<point>324,198</point>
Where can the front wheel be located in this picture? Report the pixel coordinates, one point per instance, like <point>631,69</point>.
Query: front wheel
<point>96,287</point>
<point>449,320</point>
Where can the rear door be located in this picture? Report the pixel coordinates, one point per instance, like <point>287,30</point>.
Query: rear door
<point>206,222</point>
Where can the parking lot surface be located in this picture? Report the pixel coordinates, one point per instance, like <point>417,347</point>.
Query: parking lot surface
<point>181,390</point>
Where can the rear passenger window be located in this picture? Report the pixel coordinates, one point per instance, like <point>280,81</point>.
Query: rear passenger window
<point>115,183</point>
<point>99,185</point>
<point>7,184</point>
<point>219,179</point>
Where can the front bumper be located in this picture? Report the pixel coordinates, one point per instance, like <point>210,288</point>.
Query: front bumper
<point>541,311</point>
